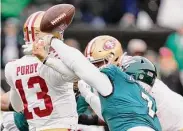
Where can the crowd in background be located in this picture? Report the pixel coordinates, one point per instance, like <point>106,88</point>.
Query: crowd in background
<point>99,13</point>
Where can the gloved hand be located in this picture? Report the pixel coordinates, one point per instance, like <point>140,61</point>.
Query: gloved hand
<point>27,49</point>
<point>41,47</point>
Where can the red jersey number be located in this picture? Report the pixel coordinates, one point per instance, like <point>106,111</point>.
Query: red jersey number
<point>40,95</point>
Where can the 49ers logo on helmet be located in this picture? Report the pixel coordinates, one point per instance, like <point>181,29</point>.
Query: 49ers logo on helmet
<point>110,44</point>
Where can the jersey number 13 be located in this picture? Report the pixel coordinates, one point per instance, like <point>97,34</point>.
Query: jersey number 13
<point>40,95</point>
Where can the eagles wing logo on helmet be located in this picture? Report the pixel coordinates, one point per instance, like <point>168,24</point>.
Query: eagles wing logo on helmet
<point>126,64</point>
<point>109,44</point>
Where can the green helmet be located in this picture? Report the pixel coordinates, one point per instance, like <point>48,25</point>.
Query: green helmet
<point>141,69</point>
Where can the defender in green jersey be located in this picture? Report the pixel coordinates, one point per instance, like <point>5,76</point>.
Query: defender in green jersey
<point>128,105</point>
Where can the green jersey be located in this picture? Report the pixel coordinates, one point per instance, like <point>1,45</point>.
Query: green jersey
<point>129,105</point>
<point>21,122</point>
<point>82,106</point>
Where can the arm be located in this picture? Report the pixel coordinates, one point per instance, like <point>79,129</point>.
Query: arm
<point>92,99</point>
<point>75,60</point>
<point>57,65</point>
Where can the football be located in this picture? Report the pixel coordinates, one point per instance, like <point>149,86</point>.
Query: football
<point>57,17</point>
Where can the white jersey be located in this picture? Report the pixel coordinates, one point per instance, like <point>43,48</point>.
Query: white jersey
<point>48,98</point>
<point>169,105</point>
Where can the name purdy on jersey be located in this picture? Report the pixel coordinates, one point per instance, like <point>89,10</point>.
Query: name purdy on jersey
<point>27,69</point>
<point>47,95</point>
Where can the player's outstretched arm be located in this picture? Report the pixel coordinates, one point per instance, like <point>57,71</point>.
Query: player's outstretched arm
<point>65,73</point>
<point>86,71</point>
<point>77,62</point>
<point>92,99</point>
<point>53,62</point>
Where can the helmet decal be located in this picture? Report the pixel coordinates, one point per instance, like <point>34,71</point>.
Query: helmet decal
<point>141,76</point>
<point>110,44</point>
<point>126,64</point>
<point>150,74</point>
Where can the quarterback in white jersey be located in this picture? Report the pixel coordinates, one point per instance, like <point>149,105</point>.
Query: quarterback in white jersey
<point>47,95</point>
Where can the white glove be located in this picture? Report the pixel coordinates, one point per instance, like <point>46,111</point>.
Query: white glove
<point>27,49</point>
<point>84,89</point>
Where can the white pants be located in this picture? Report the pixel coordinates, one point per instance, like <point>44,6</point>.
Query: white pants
<point>9,124</point>
<point>141,128</point>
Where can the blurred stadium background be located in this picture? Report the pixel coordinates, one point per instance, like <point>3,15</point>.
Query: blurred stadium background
<point>152,28</point>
